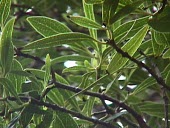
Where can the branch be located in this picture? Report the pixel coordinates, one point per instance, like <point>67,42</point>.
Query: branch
<point>58,108</point>
<point>159,79</point>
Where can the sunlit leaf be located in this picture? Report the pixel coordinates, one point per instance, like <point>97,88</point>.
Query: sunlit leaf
<point>130,47</point>
<point>47,26</point>
<point>85,22</point>
<point>52,41</point>
<point>6,47</point>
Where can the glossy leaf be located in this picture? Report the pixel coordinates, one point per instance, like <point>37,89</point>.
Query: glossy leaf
<point>47,26</point>
<point>161,21</point>
<point>52,41</point>
<point>108,10</point>
<point>131,47</point>
<point>126,10</point>
<point>4,11</point>
<point>94,1</point>
<point>6,47</point>
<point>85,22</point>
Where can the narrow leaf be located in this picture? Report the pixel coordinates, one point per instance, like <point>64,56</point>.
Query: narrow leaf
<point>4,11</point>
<point>9,87</point>
<point>85,22</point>
<point>47,26</point>
<point>47,70</point>
<point>130,47</point>
<point>108,10</point>
<point>126,10</point>
<point>6,47</point>
<point>59,39</point>
<point>94,1</point>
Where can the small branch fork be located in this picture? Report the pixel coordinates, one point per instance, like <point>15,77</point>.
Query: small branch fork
<point>102,97</point>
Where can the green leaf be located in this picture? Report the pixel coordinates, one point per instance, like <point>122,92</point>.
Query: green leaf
<point>75,68</point>
<point>46,121</point>
<point>16,79</point>
<point>94,1</point>
<point>161,21</point>
<point>108,10</point>
<point>144,85</point>
<point>85,22</point>
<point>9,86</point>
<point>166,54</point>
<point>4,11</point>
<point>134,26</point>
<point>161,38</point>
<point>64,120</point>
<point>56,97</point>
<point>126,10</point>
<point>64,38</point>
<point>47,70</point>
<point>157,47</point>
<point>130,47</point>
<point>6,47</point>
<point>47,26</point>
<point>13,122</point>
<point>67,94</point>
<point>36,72</point>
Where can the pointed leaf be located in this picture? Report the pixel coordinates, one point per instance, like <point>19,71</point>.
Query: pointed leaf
<point>108,10</point>
<point>85,22</point>
<point>52,41</point>
<point>4,11</point>
<point>130,47</point>
<point>6,47</point>
<point>47,26</point>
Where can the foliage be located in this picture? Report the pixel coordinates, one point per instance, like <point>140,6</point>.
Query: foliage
<point>121,73</point>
